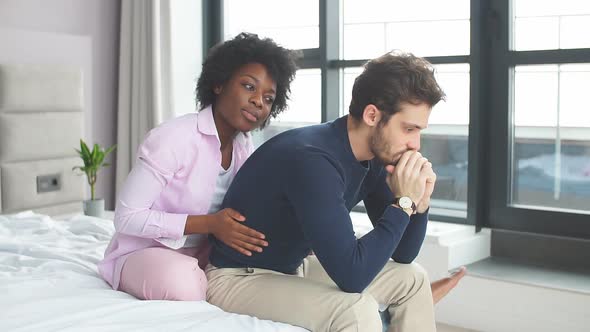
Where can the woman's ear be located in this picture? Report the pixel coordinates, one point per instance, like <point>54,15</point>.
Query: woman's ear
<point>217,90</point>
<point>371,115</point>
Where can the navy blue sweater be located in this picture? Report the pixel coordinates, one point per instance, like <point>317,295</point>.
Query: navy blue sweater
<point>298,189</point>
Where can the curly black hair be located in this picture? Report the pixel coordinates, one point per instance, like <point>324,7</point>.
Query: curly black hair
<point>227,57</point>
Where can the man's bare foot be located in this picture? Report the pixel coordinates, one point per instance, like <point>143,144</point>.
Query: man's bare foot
<point>442,287</point>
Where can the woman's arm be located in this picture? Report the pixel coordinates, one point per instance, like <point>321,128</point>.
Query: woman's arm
<point>134,215</point>
<point>133,212</point>
<point>225,225</point>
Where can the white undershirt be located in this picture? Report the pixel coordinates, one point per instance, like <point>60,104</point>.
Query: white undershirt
<point>224,180</point>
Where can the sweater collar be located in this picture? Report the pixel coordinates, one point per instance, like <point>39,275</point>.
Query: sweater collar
<point>340,126</point>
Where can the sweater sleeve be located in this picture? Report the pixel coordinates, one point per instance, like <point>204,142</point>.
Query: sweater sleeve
<point>315,190</point>
<point>154,168</point>
<point>410,243</point>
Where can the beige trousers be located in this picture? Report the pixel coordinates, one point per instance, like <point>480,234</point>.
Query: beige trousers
<point>310,299</point>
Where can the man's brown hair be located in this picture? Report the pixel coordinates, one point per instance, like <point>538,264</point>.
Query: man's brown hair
<point>391,79</point>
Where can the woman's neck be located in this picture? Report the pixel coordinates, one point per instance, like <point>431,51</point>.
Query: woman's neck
<point>225,131</point>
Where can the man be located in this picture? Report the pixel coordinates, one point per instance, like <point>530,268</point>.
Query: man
<point>298,189</point>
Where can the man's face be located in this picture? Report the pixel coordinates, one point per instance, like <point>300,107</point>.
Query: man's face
<point>400,134</point>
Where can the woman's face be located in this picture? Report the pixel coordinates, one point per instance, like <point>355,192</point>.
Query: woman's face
<point>245,100</point>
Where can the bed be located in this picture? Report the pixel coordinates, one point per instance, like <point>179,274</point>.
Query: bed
<point>48,275</point>
<point>49,282</point>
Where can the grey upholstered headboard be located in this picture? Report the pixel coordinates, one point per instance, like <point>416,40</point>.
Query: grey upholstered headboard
<point>41,122</point>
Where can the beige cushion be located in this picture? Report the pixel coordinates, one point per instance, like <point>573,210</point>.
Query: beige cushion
<point>34,136</point>
<point>26,88</point>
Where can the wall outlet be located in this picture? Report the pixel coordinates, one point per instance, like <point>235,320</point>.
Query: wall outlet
<point>49,182</point>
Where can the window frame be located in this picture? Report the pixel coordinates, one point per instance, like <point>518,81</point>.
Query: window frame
<point>489,142</point>
<point>502,63</point>
<point>459,217</point>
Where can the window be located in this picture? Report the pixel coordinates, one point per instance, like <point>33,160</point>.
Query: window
<point>322,89</point>
<point>540,149</point>
<point>444,142</point>
<point>305,104</point>
<point>542,25</point>
<point>371,28</point>
<point>550,150</point>
<point>185,56</point>
<point>294,25</point>
<point>551,144</point>
<point>419,27</point>
<point>511,144</point>
<point>304,107</point>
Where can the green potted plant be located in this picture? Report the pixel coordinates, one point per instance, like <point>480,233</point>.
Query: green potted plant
<point>93,161</point>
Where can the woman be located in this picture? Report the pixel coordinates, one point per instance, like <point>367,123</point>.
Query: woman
<point>171,198</point>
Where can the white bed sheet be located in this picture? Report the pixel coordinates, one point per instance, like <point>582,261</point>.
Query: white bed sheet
<point>49,282</point>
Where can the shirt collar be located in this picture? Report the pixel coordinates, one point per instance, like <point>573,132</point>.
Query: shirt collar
<point>206,126</point>
<point>341,128</point>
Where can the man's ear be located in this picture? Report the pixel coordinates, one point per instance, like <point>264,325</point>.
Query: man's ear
<point>371,115</point>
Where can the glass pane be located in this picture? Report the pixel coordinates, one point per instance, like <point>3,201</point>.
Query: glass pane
<point>445,140</point>
<point>540,25</point>
<point>454,80</point>
<point>357,11</point>
<point>358,46</point>
<point>536,33</point>
<point>292,24</point>
<point>348,76</point>
<point>551,149</point>
<point>569,34</point>
<point>530,8</point>
<point>371,28</point>
<point>304,107</point>
<point>306,98</point>
<point>423,42</point>
<point>536,96</point>
<point>185,52</point>
<point>574,81</point>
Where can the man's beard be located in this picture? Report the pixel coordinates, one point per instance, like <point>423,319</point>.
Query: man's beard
<point>380,148</point>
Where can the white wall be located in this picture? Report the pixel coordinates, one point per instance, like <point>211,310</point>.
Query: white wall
<point>99,21</point>
<point>489,305</point>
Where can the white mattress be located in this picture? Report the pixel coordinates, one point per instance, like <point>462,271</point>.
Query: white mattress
<point>49,282</point>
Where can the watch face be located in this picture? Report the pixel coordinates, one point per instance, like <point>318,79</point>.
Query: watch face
<point>405,202</point>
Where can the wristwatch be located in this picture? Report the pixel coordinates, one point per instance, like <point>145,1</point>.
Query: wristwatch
<point>406,204</point>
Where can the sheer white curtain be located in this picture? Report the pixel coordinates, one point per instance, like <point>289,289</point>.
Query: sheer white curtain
<point>145,83</point>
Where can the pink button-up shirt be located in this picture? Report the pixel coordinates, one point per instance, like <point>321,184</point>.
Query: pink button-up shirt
<point>174,176</point>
